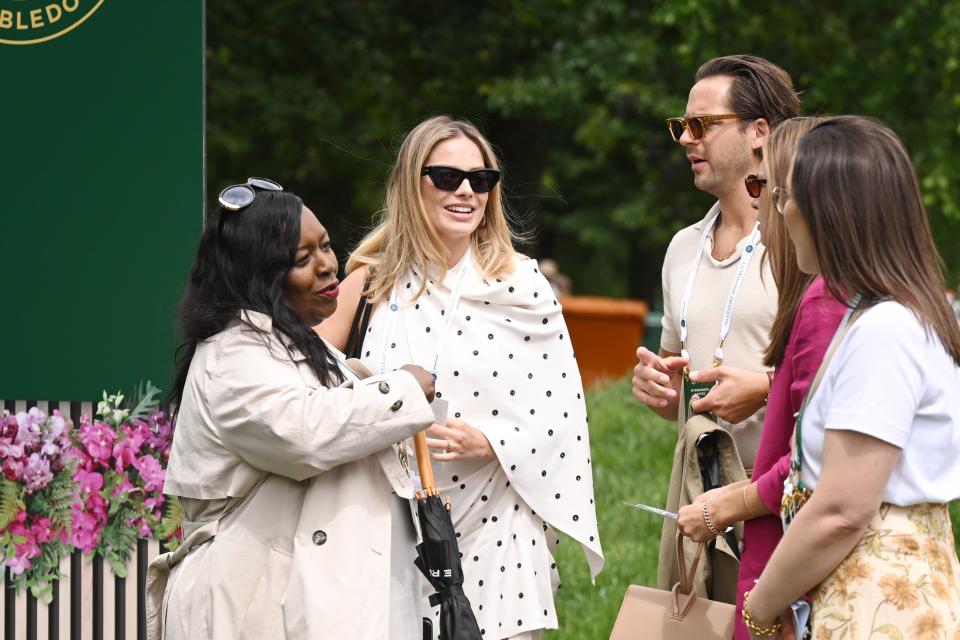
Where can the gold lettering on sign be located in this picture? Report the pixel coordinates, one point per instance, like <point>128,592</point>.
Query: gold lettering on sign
<point>31,25</point>
<point>53,13</point>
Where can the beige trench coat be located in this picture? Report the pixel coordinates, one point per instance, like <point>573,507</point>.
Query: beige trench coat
<point>306,554</point>
<point>716,576</point>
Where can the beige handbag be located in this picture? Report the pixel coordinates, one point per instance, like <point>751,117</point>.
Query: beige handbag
<point>678,614</point>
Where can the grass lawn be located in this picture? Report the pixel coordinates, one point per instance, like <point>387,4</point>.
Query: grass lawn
<point>632,456</point>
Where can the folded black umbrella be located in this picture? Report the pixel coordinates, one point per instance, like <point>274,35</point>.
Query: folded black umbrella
<point>709,460</point>
<point>438,556</point>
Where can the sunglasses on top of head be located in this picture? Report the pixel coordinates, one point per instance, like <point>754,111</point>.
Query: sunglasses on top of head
<point>754,185</point>
<point>450,178</point>
<point>696,125</point>
<point>238,196</point>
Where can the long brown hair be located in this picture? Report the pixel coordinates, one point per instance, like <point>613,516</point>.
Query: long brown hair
<point>858,194</point>
<point>791,283</point>
<point>404,238</point>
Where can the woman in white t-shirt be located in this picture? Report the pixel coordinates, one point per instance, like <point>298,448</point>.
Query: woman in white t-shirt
<point>880,434</point>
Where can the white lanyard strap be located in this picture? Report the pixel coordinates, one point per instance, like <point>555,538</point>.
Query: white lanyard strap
<point>446,322</point>
<point>745,258</point>
<point>690,281</point>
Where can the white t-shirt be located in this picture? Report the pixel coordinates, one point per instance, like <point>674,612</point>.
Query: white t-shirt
<point>891,380</point>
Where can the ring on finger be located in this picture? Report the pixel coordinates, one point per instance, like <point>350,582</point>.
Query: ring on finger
<point>447,448</point>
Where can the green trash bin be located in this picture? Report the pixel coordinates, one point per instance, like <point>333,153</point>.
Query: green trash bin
<point>652,328</point>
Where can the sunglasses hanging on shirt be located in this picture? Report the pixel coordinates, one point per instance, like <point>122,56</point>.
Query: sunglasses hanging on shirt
<point>754,185</point>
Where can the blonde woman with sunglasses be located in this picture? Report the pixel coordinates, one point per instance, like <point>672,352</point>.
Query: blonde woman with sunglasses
<point>449,291</point>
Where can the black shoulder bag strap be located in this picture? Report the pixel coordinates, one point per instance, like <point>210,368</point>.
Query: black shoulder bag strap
<point>361,319</point>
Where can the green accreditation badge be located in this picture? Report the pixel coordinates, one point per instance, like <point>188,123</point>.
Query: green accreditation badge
<point>695,391</point>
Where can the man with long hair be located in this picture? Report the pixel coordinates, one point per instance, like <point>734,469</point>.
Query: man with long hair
<point>719,296</point>
<point>734,104</point>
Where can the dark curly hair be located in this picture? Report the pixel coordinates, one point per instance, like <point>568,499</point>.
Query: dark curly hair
<point>242,260</point>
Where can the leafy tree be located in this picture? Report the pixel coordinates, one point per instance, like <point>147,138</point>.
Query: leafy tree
<point>318,95</point>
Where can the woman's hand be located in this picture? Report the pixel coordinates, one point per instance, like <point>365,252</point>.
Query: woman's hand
<point>737,395</point>
<point>424,379</point>
<point>458,441</point>
<point>690,518</point>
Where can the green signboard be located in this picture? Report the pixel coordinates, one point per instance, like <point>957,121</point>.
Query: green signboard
<point>102,202</point>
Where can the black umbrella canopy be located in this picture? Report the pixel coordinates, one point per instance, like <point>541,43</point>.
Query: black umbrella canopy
<point>438,556</point>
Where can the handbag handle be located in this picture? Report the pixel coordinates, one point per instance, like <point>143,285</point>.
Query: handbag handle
<point>685,585</point>
<point>358,327</point>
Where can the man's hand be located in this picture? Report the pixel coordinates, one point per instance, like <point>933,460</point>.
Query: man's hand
<point>458,441</point>
<point>737,395</point>
<point>655,381</point>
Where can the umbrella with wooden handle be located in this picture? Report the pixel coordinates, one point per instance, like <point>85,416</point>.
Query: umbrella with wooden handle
<point>438,556</point>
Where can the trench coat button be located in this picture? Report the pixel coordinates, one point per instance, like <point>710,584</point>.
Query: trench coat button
<point>384,387</point>
<point>396,405</point>
<point>319,537</point>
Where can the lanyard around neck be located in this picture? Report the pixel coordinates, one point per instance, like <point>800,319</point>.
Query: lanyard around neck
<point>727,321</point>
<point>853,312</point>
<point>446,322</point>
<point>745,258</point>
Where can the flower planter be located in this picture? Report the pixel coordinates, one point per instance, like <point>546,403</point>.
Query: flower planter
<point>605,333</point>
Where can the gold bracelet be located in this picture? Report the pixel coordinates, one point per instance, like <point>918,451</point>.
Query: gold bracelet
<point>747,504</point>
<point>753,627</point>
<point>706,517</point>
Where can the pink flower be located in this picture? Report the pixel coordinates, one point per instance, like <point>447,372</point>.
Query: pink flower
<point>151,472</point>
<point>98,440</point>
<point>142,526</point>
<point>37,473</point>
<point>58,425</point>
<point>41,530</point>
<point>13,468</point>
<point>89,481</point>
<point>8,427</point>
<point>10,450</point>
<point>85,532</point>
<point>18,564</point>
<point>124,487</point>
<point>127,449</point>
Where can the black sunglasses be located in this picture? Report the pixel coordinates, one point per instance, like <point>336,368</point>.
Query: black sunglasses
<point>754,185</point>
<point>450,179</point>
<point>238,196</point>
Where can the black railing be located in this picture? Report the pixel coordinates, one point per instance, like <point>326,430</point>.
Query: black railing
<point>89,601</point>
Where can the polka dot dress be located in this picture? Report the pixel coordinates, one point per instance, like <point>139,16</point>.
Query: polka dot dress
<point>506,367</point>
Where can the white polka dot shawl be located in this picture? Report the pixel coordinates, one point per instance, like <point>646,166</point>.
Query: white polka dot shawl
<point>507,368</point>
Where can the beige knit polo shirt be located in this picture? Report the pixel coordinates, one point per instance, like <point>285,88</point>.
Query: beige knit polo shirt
<point>753,314</point>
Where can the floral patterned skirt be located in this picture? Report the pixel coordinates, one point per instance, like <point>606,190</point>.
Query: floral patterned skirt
<point>901,581</point>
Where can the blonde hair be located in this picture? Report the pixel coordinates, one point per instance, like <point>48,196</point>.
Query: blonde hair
<point>778,152</point>
<point>404,237</point>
